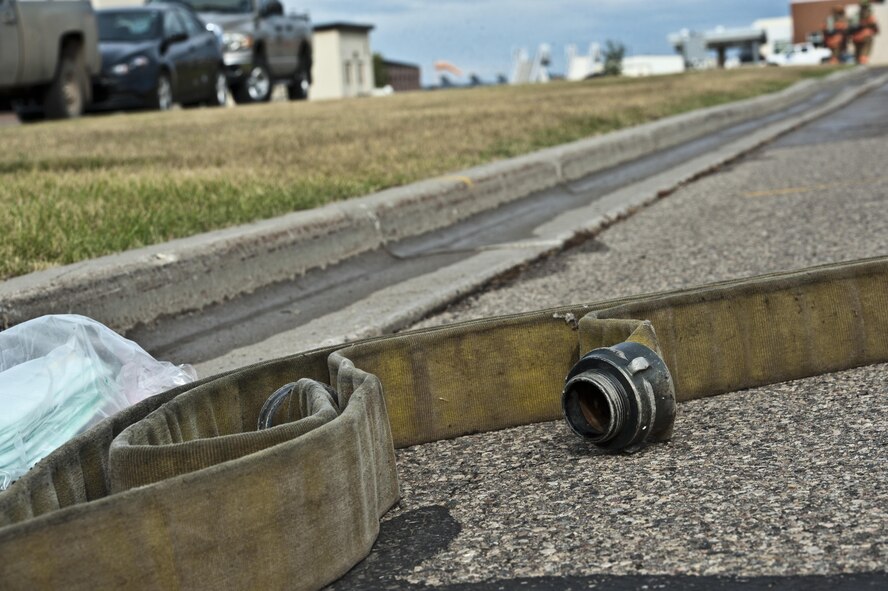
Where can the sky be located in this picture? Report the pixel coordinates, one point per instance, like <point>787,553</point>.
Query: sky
<point>479,36</point>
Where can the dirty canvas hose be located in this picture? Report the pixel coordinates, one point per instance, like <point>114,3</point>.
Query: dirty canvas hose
<point>182,490</point>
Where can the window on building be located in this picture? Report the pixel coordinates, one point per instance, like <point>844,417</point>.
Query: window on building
<point>348,73</point>
<point>359,65</point>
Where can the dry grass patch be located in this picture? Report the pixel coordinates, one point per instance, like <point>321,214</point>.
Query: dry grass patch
<point>80,189</point>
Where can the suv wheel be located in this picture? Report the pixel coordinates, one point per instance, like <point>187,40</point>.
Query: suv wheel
<point>257,86</point>
<point>66,96</point>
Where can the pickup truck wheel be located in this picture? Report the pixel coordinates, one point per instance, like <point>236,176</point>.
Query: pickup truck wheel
<point>297,90</point>
<point>163,93</point>
<point>66,96</point>
<point>256,87</point>
<point>27,113</point>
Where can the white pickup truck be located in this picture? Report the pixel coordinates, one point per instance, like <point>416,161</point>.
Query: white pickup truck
<point>49,54</point>
<point>801,54</point>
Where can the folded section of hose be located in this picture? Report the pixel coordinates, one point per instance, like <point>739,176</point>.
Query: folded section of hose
<point>193,432</point>
<point>318,493</point>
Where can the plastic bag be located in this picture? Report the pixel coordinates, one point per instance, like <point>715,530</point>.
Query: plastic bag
<point>61,374</point>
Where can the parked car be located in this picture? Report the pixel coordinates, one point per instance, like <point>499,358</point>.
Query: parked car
<point>800,54</point>
<point>48,56</point>
<point>262,46</point>
<point>157,55</point>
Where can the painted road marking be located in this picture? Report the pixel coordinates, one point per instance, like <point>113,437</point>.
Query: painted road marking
<point>808,188</point>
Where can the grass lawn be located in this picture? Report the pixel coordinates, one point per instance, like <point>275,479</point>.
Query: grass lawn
<point>79,189</point>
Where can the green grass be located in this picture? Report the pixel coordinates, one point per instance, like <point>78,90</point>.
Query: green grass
<point>80,189</point>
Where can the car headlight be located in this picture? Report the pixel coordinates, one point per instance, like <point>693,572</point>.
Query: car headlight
<point>237,41</point>
<point>124,68</point>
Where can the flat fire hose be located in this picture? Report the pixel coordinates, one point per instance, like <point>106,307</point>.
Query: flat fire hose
<point>183,490</point>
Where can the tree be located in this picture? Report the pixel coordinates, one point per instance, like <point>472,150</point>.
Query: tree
<point>614,51</point>
<point>380,72</point>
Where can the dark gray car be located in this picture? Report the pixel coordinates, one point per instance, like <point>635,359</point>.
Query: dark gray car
<point>157,55</point>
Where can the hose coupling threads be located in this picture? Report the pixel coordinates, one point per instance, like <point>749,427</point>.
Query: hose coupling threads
<point>620,398</point>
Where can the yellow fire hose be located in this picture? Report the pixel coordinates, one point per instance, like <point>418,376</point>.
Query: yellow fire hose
<point>183,490</point>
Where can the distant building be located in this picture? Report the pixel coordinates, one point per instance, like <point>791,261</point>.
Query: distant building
<point>402,77</point>
<point>809,16</point>
<point>692,47</point>
<point>527,71</point>
<point>102,4</point>
<point>581,67</point>
<point>343,62</point>
<point>746,40</point>
<point>778,31</point>
<point>636,66</point>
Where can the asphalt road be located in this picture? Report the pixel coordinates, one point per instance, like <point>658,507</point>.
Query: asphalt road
<point>783,486</point>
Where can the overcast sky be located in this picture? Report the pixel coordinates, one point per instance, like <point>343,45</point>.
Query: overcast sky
<point>479,35</point>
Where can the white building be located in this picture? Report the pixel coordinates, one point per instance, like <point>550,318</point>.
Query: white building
<point>580,67</point>
<point>343,62</point>
<point>636,66</point>
<point>779,33</point>
<point>527,71</point>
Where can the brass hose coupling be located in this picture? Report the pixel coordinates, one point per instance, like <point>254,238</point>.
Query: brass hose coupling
<point>620,398</point>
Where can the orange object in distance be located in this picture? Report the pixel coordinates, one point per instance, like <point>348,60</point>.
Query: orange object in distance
<point>443,66</point>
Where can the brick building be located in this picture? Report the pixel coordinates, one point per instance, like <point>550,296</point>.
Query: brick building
<point>401,76</point>
<point>809,16</point>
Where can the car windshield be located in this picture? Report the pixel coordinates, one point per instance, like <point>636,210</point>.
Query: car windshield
<point>232,6</point>
<point>129,25</point>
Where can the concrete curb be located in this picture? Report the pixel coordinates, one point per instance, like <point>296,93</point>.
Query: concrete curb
<point>399,306</point>
<point>138,286</point>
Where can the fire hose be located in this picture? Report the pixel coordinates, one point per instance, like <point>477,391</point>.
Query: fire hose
<point>219,485</point>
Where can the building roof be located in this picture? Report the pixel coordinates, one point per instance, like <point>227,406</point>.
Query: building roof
<point>342,26</point>
<point>732,36</point>
<point>721,37</point>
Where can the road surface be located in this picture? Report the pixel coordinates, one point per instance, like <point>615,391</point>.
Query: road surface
<point>782,486</point>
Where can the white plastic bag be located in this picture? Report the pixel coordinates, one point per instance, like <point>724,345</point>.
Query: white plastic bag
<point>60,375</point>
